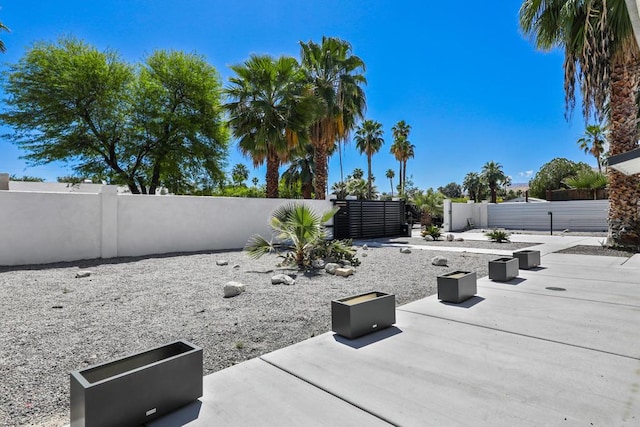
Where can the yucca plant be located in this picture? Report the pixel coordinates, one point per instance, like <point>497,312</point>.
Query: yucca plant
<point>298,230</point>
<point>499,236</point>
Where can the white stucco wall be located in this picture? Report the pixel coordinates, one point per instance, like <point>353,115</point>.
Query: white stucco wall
<point>41,227</point>
<point>457,214</point>
<point>48,227</point>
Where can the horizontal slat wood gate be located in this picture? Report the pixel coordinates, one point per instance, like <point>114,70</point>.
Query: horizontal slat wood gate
<point>364,219</point>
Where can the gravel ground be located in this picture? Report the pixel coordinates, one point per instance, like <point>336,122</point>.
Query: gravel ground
<point>53,323</point>
<point>595,250</point>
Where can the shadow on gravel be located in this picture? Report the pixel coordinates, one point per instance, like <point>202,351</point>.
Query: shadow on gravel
<point>88,263</point>
<point>369,338</point>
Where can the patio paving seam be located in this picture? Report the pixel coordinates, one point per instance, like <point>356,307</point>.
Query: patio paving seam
<point>567,297</point>
<point>373,414</point>
<point>520,334</point>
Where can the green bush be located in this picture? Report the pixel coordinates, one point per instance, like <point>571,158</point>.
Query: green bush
<point>339,250</point>
<point>433,231</point>
<point>499,236</point>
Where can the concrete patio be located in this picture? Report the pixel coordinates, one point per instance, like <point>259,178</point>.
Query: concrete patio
<point>519,353</point>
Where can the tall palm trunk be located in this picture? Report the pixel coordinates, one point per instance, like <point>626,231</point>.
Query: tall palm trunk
<point>320,158</point>
<point>624,227</point>
<point>369,177</point>
<point>272,176</point>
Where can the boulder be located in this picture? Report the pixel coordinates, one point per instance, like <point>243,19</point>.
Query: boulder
<point>231,289</point>
<point>405,250</point>
<point>365,247</point>
<point>81,274</point>
<point>344,271</point>
<point>439,260</point>
<point>222,262</point>
<point>331,267</point>
<point>429,238</point>
<point>282,279</point>
<point>450,237</point>
<point>317,264</point>
<point>458,239</point>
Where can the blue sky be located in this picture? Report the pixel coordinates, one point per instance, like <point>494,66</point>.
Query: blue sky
<point>460,73</point>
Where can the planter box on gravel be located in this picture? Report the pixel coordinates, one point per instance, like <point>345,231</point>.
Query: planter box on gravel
<point>457,286</point>
<point>528,258</point>
<point>358,315</point>
<point>136,389</point>
<point>503,269</point>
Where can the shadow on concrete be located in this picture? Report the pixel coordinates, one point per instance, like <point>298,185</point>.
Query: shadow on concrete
<point>368,339</point>
<point>538,268</point>
<point>180,416</point>
<point>513,282</point>
<point>465,304</point>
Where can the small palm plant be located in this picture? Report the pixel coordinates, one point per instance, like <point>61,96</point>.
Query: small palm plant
<point>298,230</point>
<point>499,236</point>
<point>432,230</point>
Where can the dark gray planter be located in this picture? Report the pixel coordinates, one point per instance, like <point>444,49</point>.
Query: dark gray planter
<point>528,258</point>
<point>457,286</point>
<point>136,389</point>
<point>503,269</point>
<point>358,315</point>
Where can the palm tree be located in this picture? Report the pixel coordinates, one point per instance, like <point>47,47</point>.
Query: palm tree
<point>239,174</point>
<point>473,184</point>
<point>402,150</point>
<point>301,170</point>
<point>3,47</point>
<point>390,174</point>
<point>430,203</point>
<point>369,141</point>
<point>587,179</point>
<point>357,173</point>
<point>336,75</point>
<point>601,53</point>
<point>593,141</point>
<point>298,230</point>
<point>270,111</point>
<point>493,175</point>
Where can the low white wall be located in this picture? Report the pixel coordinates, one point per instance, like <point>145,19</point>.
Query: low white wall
<point>51,227</point>
<point>576,215</point>
<point>40,228</point>
<point>458,215</point>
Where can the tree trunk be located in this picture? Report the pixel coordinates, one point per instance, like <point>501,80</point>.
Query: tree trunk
<point>624,227</point>
<point>369,177</point>
<point>307,189</point>
<point>320,158</point>
<point>272,176</point>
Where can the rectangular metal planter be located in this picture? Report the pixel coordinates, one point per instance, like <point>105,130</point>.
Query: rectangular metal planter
<point>528,258</point>
<point>136,389</point>
<point>503,269</point>
<point>457,286</point>
<point>358,315</point>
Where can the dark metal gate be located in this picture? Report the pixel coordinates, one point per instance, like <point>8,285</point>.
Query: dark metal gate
<point>364,219</point>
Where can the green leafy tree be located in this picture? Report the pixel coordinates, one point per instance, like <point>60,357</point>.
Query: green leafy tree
<point>494,177</point>
<point>593,142</point>
<point>369,141</point>
<point>602,55</point>
<point>270,111</point>
<point>336,75</point>
<point>298,230</point>
<point>239,174</point>
<point>26,178</point>
<point>552,174</point>
<point>452,190</point>
<point>474,186</point>
<point>390,175</point>
<point>158,123</point>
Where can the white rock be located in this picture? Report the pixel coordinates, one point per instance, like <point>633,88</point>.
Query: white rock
<point>428,238</point>
<point>363,255</point>
<point>231,289</point>
<point>450,237</point>
<point>222,262</point>
<point>331,267</point>
<point>236,266</point>
<point>458,239</point>
<point>405,250</point>
<point>344,272</point>
<point>365,247</point>
<point>81,274</point>
<point>282,279</point>
<point>439,260</point>
<point>317,264</point>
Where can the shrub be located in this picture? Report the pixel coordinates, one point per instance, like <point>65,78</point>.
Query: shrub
<point>499,236</point>
<point>433,231</point>
<point>339,250</point>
